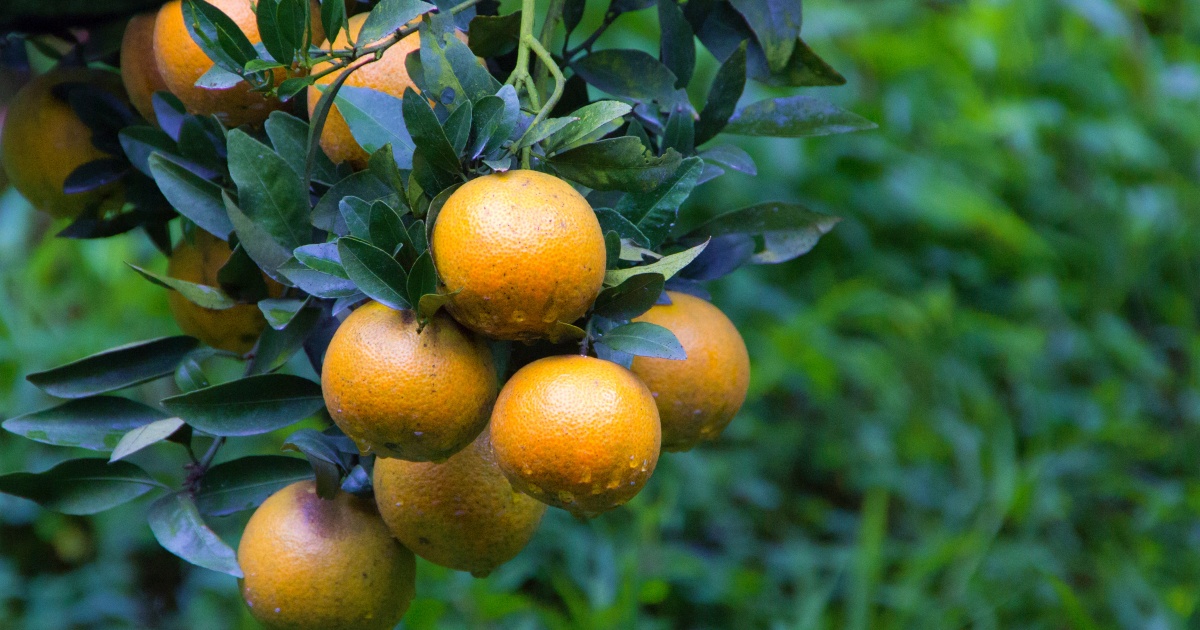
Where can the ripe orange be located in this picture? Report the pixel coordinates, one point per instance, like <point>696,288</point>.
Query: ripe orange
<point>388,75</point>
<point>420,396</point>
<point>234,329</point>
<point>139,70</point>
<point>312,563</point>
<point>43,141</point>
<point>576,432</point>
<point>696,397</point>
<point>518,251</point>
<point>462,514</point>
<point>181,62</point>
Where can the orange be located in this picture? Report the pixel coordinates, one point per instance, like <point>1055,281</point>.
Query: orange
<point>139,70</point>
<point>519,252</point>
<point>696,397</point>
<point>420,395</point>
<point>576,432</point>
<point>44,141</point>
<point>234,329</point>
<point>311,563</point>
<point>462,514</point>
<point>388,75</point>
<point>181,62</point>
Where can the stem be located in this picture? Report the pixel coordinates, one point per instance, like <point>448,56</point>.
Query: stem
<point>211,453</point>
<point>587,44</point>
<point>587,335</point>
<point>560,81</point>
<point>553,16</point>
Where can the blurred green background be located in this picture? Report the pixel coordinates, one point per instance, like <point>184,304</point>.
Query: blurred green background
<point>974,404</point>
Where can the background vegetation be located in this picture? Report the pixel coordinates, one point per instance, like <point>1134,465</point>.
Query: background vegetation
<point>974,404</point>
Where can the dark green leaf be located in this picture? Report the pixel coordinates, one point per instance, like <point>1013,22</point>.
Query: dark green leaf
<point>289,138</point>
<point>729,155</point>
<point>218,78</point>
<point>375,272</point>
<point>449,65</point>
<point>269,191</point>
<point>322,257</point>
<point>616,164</point>
<point>680,133</point>
<point>275,347</point>
<point>422,279</point>
<point>376,119</point>
<point>630,298</point>
<point>428,135</point>
<point>115,368</point>
<point>795,117</point>
<point>217,35</point>
<point>280,311</point>
<point>193,196</point>
<point>776,24</point>
<point>654,212</point>
<point>493,36</point>
<point>243,484</point>
<point>544,129</point>
<point>81,486</point>
<point>788,230</point>
<point>240,278</point>
<point>667,266</point>
<point>189,376</point>
<point>390,16</point>
<point>365,185</point>
<point>318,283</point>
<point>430,303</point>
<point>387,229</point>
<point>324,457</point>
<point>93,423</point>
<point>177,526</point>
<point>143,436</point>
<point>95,174</point>
<point>139,142</point>
<point>248,406</point>
<point>678,46</point>
<point>611,220</point>
<point>458,127</point>
<point>494,121</point>
<point>333,18</point>
<point>261,246</point>
<point>644,339</point>
<point>612,248</point>
<point>357,215</point>
<point>198,294</point>
<point>804,69</point>
<point>723,96</point>
<point>629,73</point>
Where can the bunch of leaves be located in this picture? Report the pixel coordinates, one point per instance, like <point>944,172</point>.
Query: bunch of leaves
<point>334,237</point>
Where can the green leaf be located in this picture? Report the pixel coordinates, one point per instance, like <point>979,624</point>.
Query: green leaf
<point>269,190</point>
<point>422,279</point>
<point>240,278</point>
<point>280,311</point>
<point>376,120</point>
<point>654,212</point>
<point>115,368</point>
<point>189,376</point>
<point>612,248</point>
<point>260,244</point>
<point>81,486</point>
<point>776,24</point>
<point>217,35</point>
<point>387,231</point>
<point>198,294</point>
<point>193,196</point>
<point>248,406</point>
<point>357,215</point>
<point>317,283</point>
<point>616,164</point>
<point>93,423</point>
<point>274,38</point>
<point>723,95</point>
<point>795,117</point>
<point>178,527</point>
<point>375,272</point>
<point>143,436</point>
<point>680,133</point>
<point>289,138</point>
<point>493,36</point>
<point>322,257</point>
<point>390,16</point>
<point>140,142</point>
<point>644,339</point>
<point>324,457</point>
<point>333,18</point>
<point>630,298</point>
<point>611,220</point>
<point>668,266</point>
<point>428,135</point>
<point>430,303</point>
<point>243,484</point>
<point>562,332</point>
<point>494,119</point>
<point>593,121</point>
<point>629,73</point>
<point>536,133</point>
<point>804,69</point>
<point>275,347</point>
<point>451,71</point>
<point>732,156</point>
<point>458,127</point>
<point>677,47</point>
<point>365,185</point>
<point>788,230</point>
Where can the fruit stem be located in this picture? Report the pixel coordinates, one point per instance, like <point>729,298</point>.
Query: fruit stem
<point>587,335</point>
<point>521,78</point>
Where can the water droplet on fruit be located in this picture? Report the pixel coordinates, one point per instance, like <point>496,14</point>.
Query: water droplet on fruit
<point>418,433</point>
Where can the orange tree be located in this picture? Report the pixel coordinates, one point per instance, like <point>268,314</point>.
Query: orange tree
<point>559,239</point>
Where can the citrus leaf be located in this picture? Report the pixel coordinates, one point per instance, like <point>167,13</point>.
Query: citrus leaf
<point>612,221</point>
<point>804,69</point>
<point>256,240</point>
<point>654,212</point>
<point>95,423</point>
<point>788,230</point>
<point>317,283</point>
<point>376,120</point>
<point>630,298</point>
<point>616,164</point>
<point>422,278</point>
<point>289,138</point>
<point>143,436</point>
<point>178,527</point>
<point>198,294</point>
<point>374,272</point>
<point>115,368</point>
<point>677,48</point>
<point>270,192</point>
<point>280,311</point>
<point>668,266</point>
<point>492,35</point>
<point>593,121</point>
<point>732,156</point>
<point>723,95</point>
<point>217,35</point>
<point>365,185</point>
<point>81,486</point>
<point>327,462</point>
<point>390,16</point>
<point>193,196</point>
<point>776,24</point>
<point>644,339</point>
<point>244,483</point>
<point>248,406</point>
<point>276,346</point>
<point>795,117</point>
<point>141,141</point>
<point>428,135</point>
<point>494,119</point>
<point>630,73</point>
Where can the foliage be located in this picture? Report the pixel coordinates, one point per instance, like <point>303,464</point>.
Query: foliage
<point>975,401</point>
